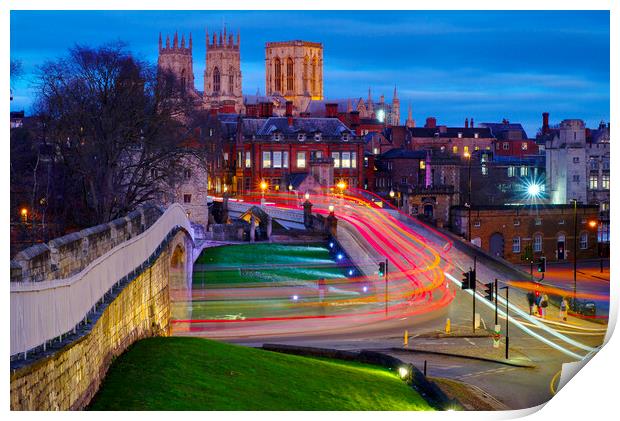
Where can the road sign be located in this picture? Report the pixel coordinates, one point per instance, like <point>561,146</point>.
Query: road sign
<point>496,336</point>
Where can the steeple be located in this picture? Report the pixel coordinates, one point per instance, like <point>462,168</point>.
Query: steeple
<point>183,41</point>
<point>175,43</point>
<point>395,96</point>
<point>410,121</point>
<point>167,41</point>
<point>369,104</point>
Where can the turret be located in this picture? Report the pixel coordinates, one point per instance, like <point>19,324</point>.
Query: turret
<point>175,44</point>
<point>183,41</point>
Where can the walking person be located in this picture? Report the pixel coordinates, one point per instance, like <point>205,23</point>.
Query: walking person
<point>531,299</point>
<point>563,309</point>
<point>544,303</point>
<point>538,306</point>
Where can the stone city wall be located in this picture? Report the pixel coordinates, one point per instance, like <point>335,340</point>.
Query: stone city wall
<point>65,256</point>
<point>69,378</point>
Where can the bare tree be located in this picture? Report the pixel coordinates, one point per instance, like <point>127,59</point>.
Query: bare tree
<point>116,126</point>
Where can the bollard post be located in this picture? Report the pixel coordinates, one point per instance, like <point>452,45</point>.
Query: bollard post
<point>448,326</point>
<point>406,339</point>
<point>424,368</point>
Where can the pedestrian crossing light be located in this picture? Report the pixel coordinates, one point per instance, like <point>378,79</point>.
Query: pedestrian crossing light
<point>488,291</point>
<point>542,265</point>
<point>465,282</point>
<point>381,269</point>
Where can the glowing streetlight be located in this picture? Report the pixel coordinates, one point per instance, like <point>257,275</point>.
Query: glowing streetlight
<point>592,224</point>
<point>290,187</point>
<point>225,188</point>
<point>331,208</point>
<point>403,372</point>
<point>307,196</point>
<point>534,190</point>
<point>341,185</point>
<point>392,194</point>
<point>24,213</point>
<point>467,155</point>
<point>263,185</point>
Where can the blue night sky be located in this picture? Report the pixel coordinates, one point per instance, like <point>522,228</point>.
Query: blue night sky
<point>452,65</point>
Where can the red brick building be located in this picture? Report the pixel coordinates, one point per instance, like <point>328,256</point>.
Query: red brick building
<point>521,233</point>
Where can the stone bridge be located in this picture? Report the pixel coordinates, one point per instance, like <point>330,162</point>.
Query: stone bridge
<point>82,299</point>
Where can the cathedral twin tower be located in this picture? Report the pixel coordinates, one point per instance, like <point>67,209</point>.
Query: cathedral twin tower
<point>222,76</point>
<point>294,70</point>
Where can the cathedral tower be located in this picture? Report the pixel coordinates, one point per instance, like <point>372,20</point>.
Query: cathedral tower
<point>177,59</point>
<point>222,85</point>
<point>395,115</point>
<point>294,70</point>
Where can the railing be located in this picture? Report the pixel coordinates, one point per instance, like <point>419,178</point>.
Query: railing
<point>42,311</point>
<point>286,215</point>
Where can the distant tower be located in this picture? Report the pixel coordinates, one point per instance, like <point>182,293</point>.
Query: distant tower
<point>369,107</point>
<point>222,84</point>
<point>294,70</point>
<point>177,59</point>
<point>395,109</point>
<point>410,121</point>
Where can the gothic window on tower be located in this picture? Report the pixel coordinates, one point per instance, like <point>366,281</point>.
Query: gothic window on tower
<point>306,62</point>
<point>278,75</point>
<point>183,81</point>
<point>289,74</point>
<point>231,80</point>
<point>314,75</point>
<point>216,80</point>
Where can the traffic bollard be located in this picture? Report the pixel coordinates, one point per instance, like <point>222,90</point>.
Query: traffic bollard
<point>406,339</point>
<point>447,326</point>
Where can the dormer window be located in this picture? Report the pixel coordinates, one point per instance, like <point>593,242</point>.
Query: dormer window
<point>345,137</point>
<point>301,137</point>
<point>459,135</point>
<point>317,137</point>
<point>277,137</point>
<point>476,135</point>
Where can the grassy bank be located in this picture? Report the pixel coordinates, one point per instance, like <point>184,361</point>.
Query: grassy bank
<point>199,374</point>
<point>264,263</point>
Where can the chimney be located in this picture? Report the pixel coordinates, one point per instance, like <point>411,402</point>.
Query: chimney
<point>545,124</point>
<point>331,110</point>
<point>289,113</point>
<point>466,123</point>
<point>431,123</point>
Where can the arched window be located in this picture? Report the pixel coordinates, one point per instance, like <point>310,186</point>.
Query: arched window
<point>306,63</point>
<point>314,75</point>
<point>278,75</point>
<point>289,74</point>
<point>216,80</point>
<point>183,81</point>
<point>231,80</point>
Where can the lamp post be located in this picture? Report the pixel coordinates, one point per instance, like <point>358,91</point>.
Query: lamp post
<point>468,156</point>
<point>392,194</point>
<point>574,251</point>
<point>263,187</point>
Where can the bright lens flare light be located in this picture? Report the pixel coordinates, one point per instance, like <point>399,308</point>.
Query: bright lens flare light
<point>534,190</point>
<point>403,372</point>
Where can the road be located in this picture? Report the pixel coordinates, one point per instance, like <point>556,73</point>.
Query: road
<point>423,290</point>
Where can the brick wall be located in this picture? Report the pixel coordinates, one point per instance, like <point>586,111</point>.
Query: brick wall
<point>68,379</point>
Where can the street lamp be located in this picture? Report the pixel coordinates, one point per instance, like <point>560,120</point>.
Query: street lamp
<point>331,209</point>
<point>307,196</point>
<point>534,190</point>
<point>468,156</point>
<point>24,213</point>
<point>574,251</point>
<point>263,187</point>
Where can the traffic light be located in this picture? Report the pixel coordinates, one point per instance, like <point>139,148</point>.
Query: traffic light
<point>381,269</point>
<point>466,283</point>
<point>472,279</point>
<point>488,291</point>
<point>542,264</point>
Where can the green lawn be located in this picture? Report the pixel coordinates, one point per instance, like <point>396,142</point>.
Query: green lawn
<point>199,374</point>
<point>264,263</point>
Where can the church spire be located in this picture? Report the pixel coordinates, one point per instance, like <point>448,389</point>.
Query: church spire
<point>395,96</point>
<point>175,43</point>
<point>410,121</point>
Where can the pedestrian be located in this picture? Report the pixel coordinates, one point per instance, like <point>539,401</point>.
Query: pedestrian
<point>538,306</point>
<point>544,303</point>
<point>563,309</point>
<point>531,299</point>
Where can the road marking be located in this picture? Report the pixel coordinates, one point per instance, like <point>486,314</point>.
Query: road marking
<point>526,329</point>
<point>555,377</point>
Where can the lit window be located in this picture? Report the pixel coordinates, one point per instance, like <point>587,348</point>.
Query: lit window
<point>248,159</point>
<point>485,170</point>
<point>346,160</point>
<point>516,222</point>
<point>455,149</point>
<point>277,159</point>
<point>511,171</point>
<point>605,181</point>
<point>336,158</point>
<point>524,171</point>
<point>459,135</point>
<point>538,221</point>
<point>477,223</point>
<point>353,159</point>
<point>301,137</point>
<point>301,160</point>
<point>476,135</point>
<point>476,148</point>
<point>524,146</point>
<point>285,159</point>
<point>516,245</point>
<point>583,241</point>
<point>422,165</point>
<point>266,159</point>
<point>375,151</point>
<point>466,149</point>
<point>593,182</point>
<point>538,243</point>
<point>345,137</point>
